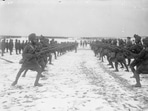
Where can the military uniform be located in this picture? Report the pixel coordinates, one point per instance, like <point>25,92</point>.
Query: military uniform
<point>26,43</point>
<point>30,60</point>
<point>19,46</point>
<point>22,45</point>
<point>53,43</point>
<point>7,46</point>
<point>10,45</point>
<point>136,48</point>
<point>3,45</point>
<point>128,43</point>
<point>128,46</point>
<point>141,62</point>
<point>43,57</point>
<point>16,46</point>
<point>114,42</point>
<point>121,43</point>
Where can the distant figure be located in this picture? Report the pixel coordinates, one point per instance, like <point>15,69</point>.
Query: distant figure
<point>76,46</point>
<point>53,43</point>
<point>26,43</point>
<point>19,46</point>
<point>11,45</point>
<point>128,46</point>
<point>3,45</point>
<point>16,46</point>
<point>80,43</point>
<point>22,45</point>
<point>7,47</point>
<point>128,43</point>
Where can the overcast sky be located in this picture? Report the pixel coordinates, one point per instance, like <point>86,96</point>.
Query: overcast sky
<point>76,18</point>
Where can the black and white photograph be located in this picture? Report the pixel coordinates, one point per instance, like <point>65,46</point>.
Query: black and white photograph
<point>73,55</point>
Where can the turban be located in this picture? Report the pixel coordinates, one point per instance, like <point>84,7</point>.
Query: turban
<point>137,37</point>
<point>32,36</point>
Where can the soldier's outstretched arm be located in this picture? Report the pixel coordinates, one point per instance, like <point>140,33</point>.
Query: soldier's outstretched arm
<point>140,55</point>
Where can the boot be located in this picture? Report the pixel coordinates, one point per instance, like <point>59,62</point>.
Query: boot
<point>37,80</point>
<point>38,84</point>
<point>14,83</point>
<point>138,84</point>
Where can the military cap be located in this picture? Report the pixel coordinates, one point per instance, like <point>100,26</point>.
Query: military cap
<point>32,36</point>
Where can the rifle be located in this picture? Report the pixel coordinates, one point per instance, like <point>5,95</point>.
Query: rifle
<point>6,60</point>
<point>54,48</point>
<point>47,50</point>
<point>115,47</point>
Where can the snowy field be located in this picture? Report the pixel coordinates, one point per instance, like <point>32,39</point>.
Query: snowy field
<point>75,82</point>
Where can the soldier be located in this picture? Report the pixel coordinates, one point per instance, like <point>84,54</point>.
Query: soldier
<point>53,43</point>
<point>10,45</point>
<point>128,43</point>
<point>81,43</point>
<point>42,57</point>
<point>26,43</point>
<point>3,45</point>
<point>30,60</point>
<point>16,46</point>
<point>7,47</point>
<point>141,62</point>
<point>114,42</point>
<point>121,43</point>
<point>76,46</point>
<point>136,49</point>
<point>22,45</point>
<point>19,46</point>
<point>128,46</point>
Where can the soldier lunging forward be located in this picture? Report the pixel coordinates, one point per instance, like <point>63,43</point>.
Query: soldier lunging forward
<point>30,60</point>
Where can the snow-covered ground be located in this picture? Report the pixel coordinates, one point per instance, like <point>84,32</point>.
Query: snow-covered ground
<point>75,82</point>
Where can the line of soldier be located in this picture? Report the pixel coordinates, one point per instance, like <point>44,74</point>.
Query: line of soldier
<point>83,43</point>
<point>118,50</point>
<point>37,52</point>
<point>8,46</point>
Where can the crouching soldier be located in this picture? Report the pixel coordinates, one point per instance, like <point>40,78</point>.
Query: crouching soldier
<point>141,62</point>
<point>30,61</point>
<point>136,48</point>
